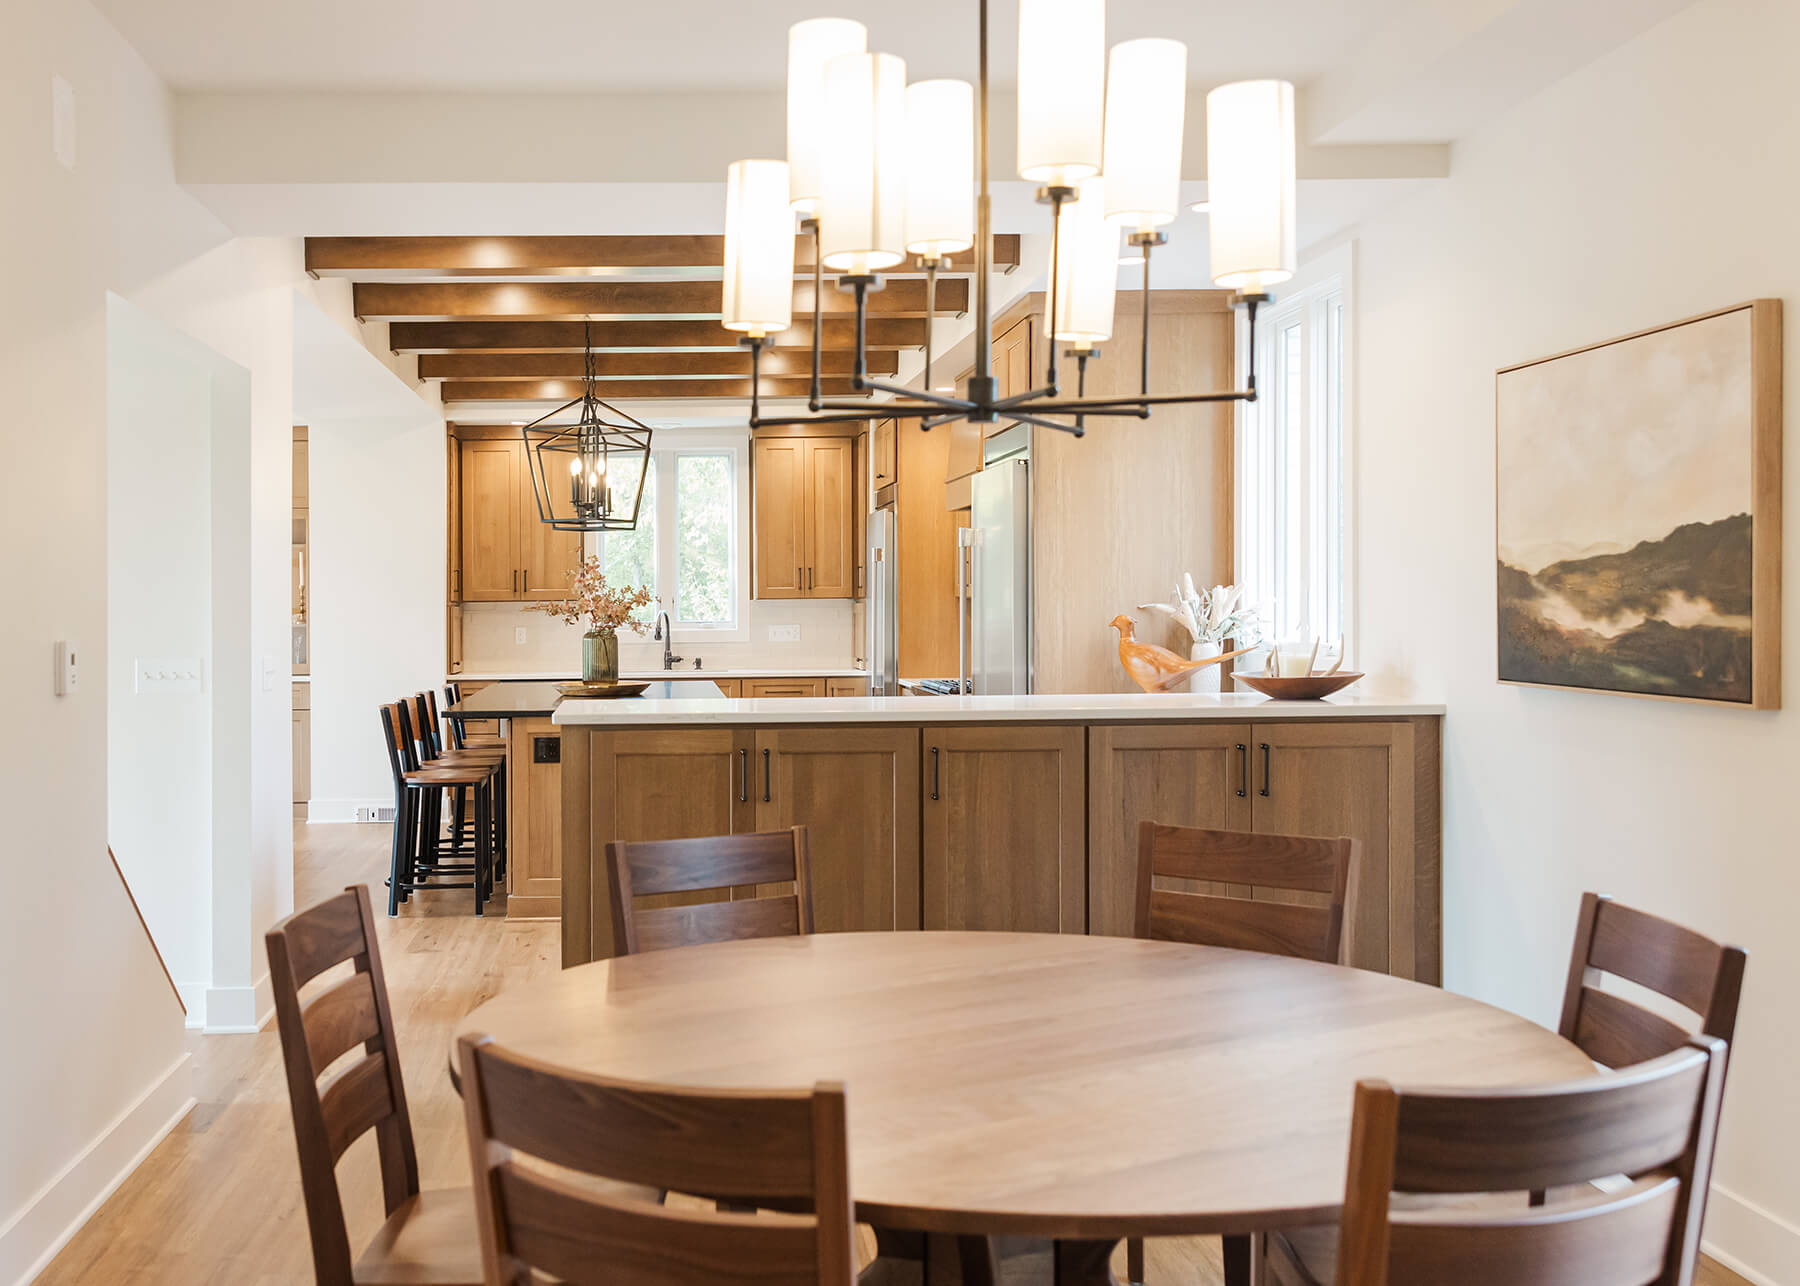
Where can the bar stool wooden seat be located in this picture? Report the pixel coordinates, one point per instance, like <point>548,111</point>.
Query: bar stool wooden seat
<point>416,862</point>
<point>429,1238</point>
<point>432,750</point>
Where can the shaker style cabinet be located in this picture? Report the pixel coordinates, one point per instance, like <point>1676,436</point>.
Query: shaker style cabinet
<point>856,791</point>
<point>507,554</point>
<point>1004,807</point>
<point>1366,779</point>
<point>802,517</point>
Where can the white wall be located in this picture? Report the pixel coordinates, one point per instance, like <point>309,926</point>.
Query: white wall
<point>1657,183</point>
<point>159,478</point>
<point>375,501</point>
<point>95,1045</point>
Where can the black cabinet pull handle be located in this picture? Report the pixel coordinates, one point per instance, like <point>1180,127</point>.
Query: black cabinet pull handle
<point>765,776</point>
<point>1243,770</point>
<point>1264,792</point>
<point>527,574</point>
<point>934,772</point>
<point>744,780</point>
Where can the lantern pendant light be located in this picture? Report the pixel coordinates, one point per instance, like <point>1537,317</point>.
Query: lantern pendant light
<point>578,470</point>
<point>877,171</point>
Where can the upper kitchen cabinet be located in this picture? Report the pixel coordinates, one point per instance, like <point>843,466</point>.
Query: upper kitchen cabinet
<point>884,453</point>
<point>802,517</point>
<point>1014,360</point>
<point>507,553</point>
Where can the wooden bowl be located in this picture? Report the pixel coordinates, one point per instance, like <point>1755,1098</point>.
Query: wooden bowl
<point>1299,688</point>
<point>600,691</point>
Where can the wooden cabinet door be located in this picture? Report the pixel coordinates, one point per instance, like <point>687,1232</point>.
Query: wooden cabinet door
<point>547,557</point>
<point>453,536</point>
<point>964,451</point>
<point>490,521</point>
<point>856,790</point>
<point>847,687</point>
<point>884,452</point>
<point>779,518</point>
<point>534,820</point>
<point>729,687</point>
<point>1352,779</point>
<point>1012,366</point>
<point>860,499</point>
<point>1004,844</point>
<point>784,688</point>
<point>1181,775</point>
<point>678,783</point>
<point>830,566</point>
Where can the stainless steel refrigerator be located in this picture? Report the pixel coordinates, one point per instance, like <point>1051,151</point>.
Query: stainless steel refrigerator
<point>881,606</point>
<point>998,647</point>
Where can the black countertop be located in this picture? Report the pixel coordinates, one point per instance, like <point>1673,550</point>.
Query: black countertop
<point>535,699</point>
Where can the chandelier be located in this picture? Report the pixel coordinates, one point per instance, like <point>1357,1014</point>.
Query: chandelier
<point>589,475</point>
<point>879,170</point>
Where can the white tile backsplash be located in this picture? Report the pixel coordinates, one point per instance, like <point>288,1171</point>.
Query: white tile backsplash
<point>826,639</point>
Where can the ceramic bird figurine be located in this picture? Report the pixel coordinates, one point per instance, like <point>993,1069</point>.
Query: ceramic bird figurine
<point>1153,668</point>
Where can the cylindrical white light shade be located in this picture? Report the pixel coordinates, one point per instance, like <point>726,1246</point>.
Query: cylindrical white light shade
<point>1062,89</point>
<point>940,167</point>
<point>1146,101</point>
<point>1087,268</point>
<point>812,44</point>
<point>1250,183</point>
<point>862,209</point>
<point>759,248</point>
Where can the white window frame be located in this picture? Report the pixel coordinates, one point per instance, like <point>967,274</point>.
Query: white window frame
<point>666,449</point>
<point>1325,281</point>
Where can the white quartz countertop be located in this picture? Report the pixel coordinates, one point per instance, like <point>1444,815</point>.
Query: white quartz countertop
<point>675,675</point>
<point>1104,707</point>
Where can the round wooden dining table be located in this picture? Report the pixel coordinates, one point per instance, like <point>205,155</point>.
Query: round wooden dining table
<point>1077,1088</point>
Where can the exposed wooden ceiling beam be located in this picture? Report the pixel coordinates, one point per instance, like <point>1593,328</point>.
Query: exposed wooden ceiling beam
<point>542,366</point>
<point>623,390</point>
<point>447,301</point>
<point>448,258</point>
<point>635,336</point>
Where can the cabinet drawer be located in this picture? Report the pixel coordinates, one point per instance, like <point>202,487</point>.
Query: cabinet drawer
<point>784,688</point>
<point>847,687</point>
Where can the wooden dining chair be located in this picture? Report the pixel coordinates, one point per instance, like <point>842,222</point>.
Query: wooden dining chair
<point>429,1237</point>
<point>717,864</point>
<point>1675,962</point>
<point>789,1149</point>
<point>1288,863</point>
<point>1654,1124</point>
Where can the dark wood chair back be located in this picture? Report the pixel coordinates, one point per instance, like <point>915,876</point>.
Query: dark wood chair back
<point>453,694</point>
<point>1675,962</point>
<point>714,864</point>
<point>1654,1123</point>
<point>1291,863</point>
<point>789,1149</point>
<point>396,731</point>
<point>368,1093</point>
<point>424,717</point>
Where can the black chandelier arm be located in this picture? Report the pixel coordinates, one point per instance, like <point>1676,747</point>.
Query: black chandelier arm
<point>902,410</point>
<point>1135,405</point>
<point>931,272</point>
<point>1020,399</point>
<point>926,395</point>
<point>1057,197</point>
<point>1075,430</point>
<point>1144,339</point>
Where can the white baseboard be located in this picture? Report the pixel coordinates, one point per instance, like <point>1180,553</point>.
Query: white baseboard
<point>238,1009</point>
<point>1751,1241</point>
<point>342,810</point>
<point>30,1241</point>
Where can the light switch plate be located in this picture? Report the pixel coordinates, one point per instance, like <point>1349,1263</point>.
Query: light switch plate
<point>784,634</point>
<point>169,674</point>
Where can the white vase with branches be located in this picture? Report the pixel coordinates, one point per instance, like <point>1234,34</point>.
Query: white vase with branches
<point>1210,617</point>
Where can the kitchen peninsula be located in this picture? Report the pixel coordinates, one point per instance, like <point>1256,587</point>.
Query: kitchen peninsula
<point>1013,813</point>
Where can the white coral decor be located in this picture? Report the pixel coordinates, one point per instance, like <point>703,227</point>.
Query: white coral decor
<point>1210,617</point>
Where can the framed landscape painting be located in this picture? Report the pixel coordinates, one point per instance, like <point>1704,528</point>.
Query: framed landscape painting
<point>1639,513</point>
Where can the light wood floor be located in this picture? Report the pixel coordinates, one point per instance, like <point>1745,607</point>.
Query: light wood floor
<point>219,1200</point>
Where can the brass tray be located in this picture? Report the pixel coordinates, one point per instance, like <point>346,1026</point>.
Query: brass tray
<point>601,691</point>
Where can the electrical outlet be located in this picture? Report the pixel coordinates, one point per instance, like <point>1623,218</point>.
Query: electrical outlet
<point>784,634</point>
<point>518,634</point>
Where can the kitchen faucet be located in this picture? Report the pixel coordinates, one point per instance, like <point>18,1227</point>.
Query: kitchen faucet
<point>665,632</point>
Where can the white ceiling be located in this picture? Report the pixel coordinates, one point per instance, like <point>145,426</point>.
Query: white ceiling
<point>564,45</point>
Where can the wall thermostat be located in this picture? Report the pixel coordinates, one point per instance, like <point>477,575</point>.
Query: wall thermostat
<point>65,675</point>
